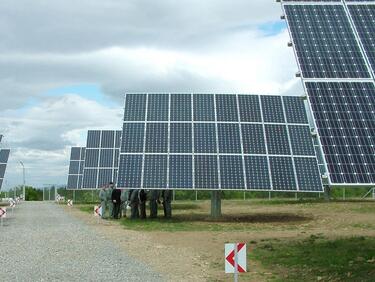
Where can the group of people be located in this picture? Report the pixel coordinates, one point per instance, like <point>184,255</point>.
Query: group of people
<point>118,202</point>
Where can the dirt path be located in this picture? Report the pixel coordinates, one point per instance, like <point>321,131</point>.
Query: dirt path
<point>199,255</point>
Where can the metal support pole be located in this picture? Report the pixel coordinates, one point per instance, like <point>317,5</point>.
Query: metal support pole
<point>49,194</point>
<point>343,194</point>
<point>43,194</point>
<point>296,196</point>
<point>174,195</point>
<point>327,193</point>
<point>196,195</point>
<point>92,196</point>
<point>269,195</point>
<point>244,196</point>
<point>216,204</point>
<point>74,196</point>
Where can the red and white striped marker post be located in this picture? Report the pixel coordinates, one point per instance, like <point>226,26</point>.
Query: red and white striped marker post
<point>3,214</point>
<point>235,259</point>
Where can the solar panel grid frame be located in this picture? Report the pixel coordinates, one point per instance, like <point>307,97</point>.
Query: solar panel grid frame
<point>76,165</point>
<point>4,156</point>
<point>196,155</point>
<point>326,161</point>
<point>102,158</point>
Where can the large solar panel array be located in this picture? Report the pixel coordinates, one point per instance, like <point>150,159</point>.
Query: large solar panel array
<point>76,165</point>
<point>101,158</point>
<point>208,141</point>
<point>335,50</point>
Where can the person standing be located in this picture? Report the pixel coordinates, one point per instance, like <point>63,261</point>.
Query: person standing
<point>116,200</point>
<point>142,196</point>
<point>103,199</point>
<point>134,202</point>
<point>167,206</point>
<point>154,200</point>
<point>109,199</point>
<point>124,202</point>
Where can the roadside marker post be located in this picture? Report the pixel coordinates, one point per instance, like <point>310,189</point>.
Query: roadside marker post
<point>235,259</point>
<point>12,204</point>
<point>98,212</point>
<point>70,203</point>
<point>3,214</point>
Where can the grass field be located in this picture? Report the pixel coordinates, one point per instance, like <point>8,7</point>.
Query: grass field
<point>288,240</point>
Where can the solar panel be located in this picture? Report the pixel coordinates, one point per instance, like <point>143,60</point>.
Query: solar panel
<point>336,41</point>
<point>102,153</point>
<point>217,141</point>
<point>325,44</point>
<point>364,20</point>
<point>4,156</point>
<point>76,165</point>
<point>344,113</point>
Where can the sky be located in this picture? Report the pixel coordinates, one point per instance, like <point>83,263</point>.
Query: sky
<point>65,66</point>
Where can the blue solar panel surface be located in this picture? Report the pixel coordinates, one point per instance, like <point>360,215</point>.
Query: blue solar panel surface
<point>102,154</point>
<point>217,141</point>
<point>337,41</point>
<point>76,165</point>
<point>324,41</point>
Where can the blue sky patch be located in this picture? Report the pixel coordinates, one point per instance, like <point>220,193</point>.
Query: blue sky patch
<point>272,28</point>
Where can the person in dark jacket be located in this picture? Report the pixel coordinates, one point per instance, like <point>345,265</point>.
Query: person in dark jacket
<point>116,200</point>
<point>142,203</point>
<point>134,203</point>
<point>167,198</point>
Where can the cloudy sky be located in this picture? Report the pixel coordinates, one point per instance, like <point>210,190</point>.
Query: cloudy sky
<point>65,65</point>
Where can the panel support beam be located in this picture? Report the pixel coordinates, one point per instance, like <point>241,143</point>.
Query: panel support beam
<point>216,204</point>
<point>327,193</point>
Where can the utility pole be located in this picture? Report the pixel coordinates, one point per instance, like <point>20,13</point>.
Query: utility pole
<point>24,181</point>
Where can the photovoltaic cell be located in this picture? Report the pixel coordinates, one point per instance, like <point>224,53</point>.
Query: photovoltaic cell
<point>135,107</point>
<point>295,110</point>
<point>257,173</point>
<point>155,171</point>
<point>253,139</point>
<point>272,109</point>
<point>226,108</point>
<point>132,138</point>
<point>282,173</point>
<point>130,174</point>
<point>249,108</point>
<point>231,172</point>
<point>308,174</point>
<point>364,20</point>
<point>344,114</point>
<point>181,107</point>
<point>157,138</point>
<point>180,171</point>
<point>300,139</point>
<point>204,107</point>
<point>206,172</point>
<point>324,41</point>
<point>229,138</point>
<point>180,138</point>
<point>158,107</point>
<point>277,139</point>
<point>205,138</point>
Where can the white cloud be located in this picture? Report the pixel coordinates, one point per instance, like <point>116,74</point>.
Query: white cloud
<point>124,46</point>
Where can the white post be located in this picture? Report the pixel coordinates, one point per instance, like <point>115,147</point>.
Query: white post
<point>43,194</point>
<point>235,263</point>
<point>24,181</point>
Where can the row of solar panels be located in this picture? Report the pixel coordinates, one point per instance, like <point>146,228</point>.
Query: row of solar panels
<point>202,141</point>
<point>4,156</point>
<point>334,45</point>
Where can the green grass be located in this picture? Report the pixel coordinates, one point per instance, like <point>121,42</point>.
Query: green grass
<point>350,259</point>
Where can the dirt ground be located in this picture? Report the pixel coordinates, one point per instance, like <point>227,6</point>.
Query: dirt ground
<point>199,255</point>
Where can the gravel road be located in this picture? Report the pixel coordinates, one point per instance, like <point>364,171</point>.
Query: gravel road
<point>42,242</point>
